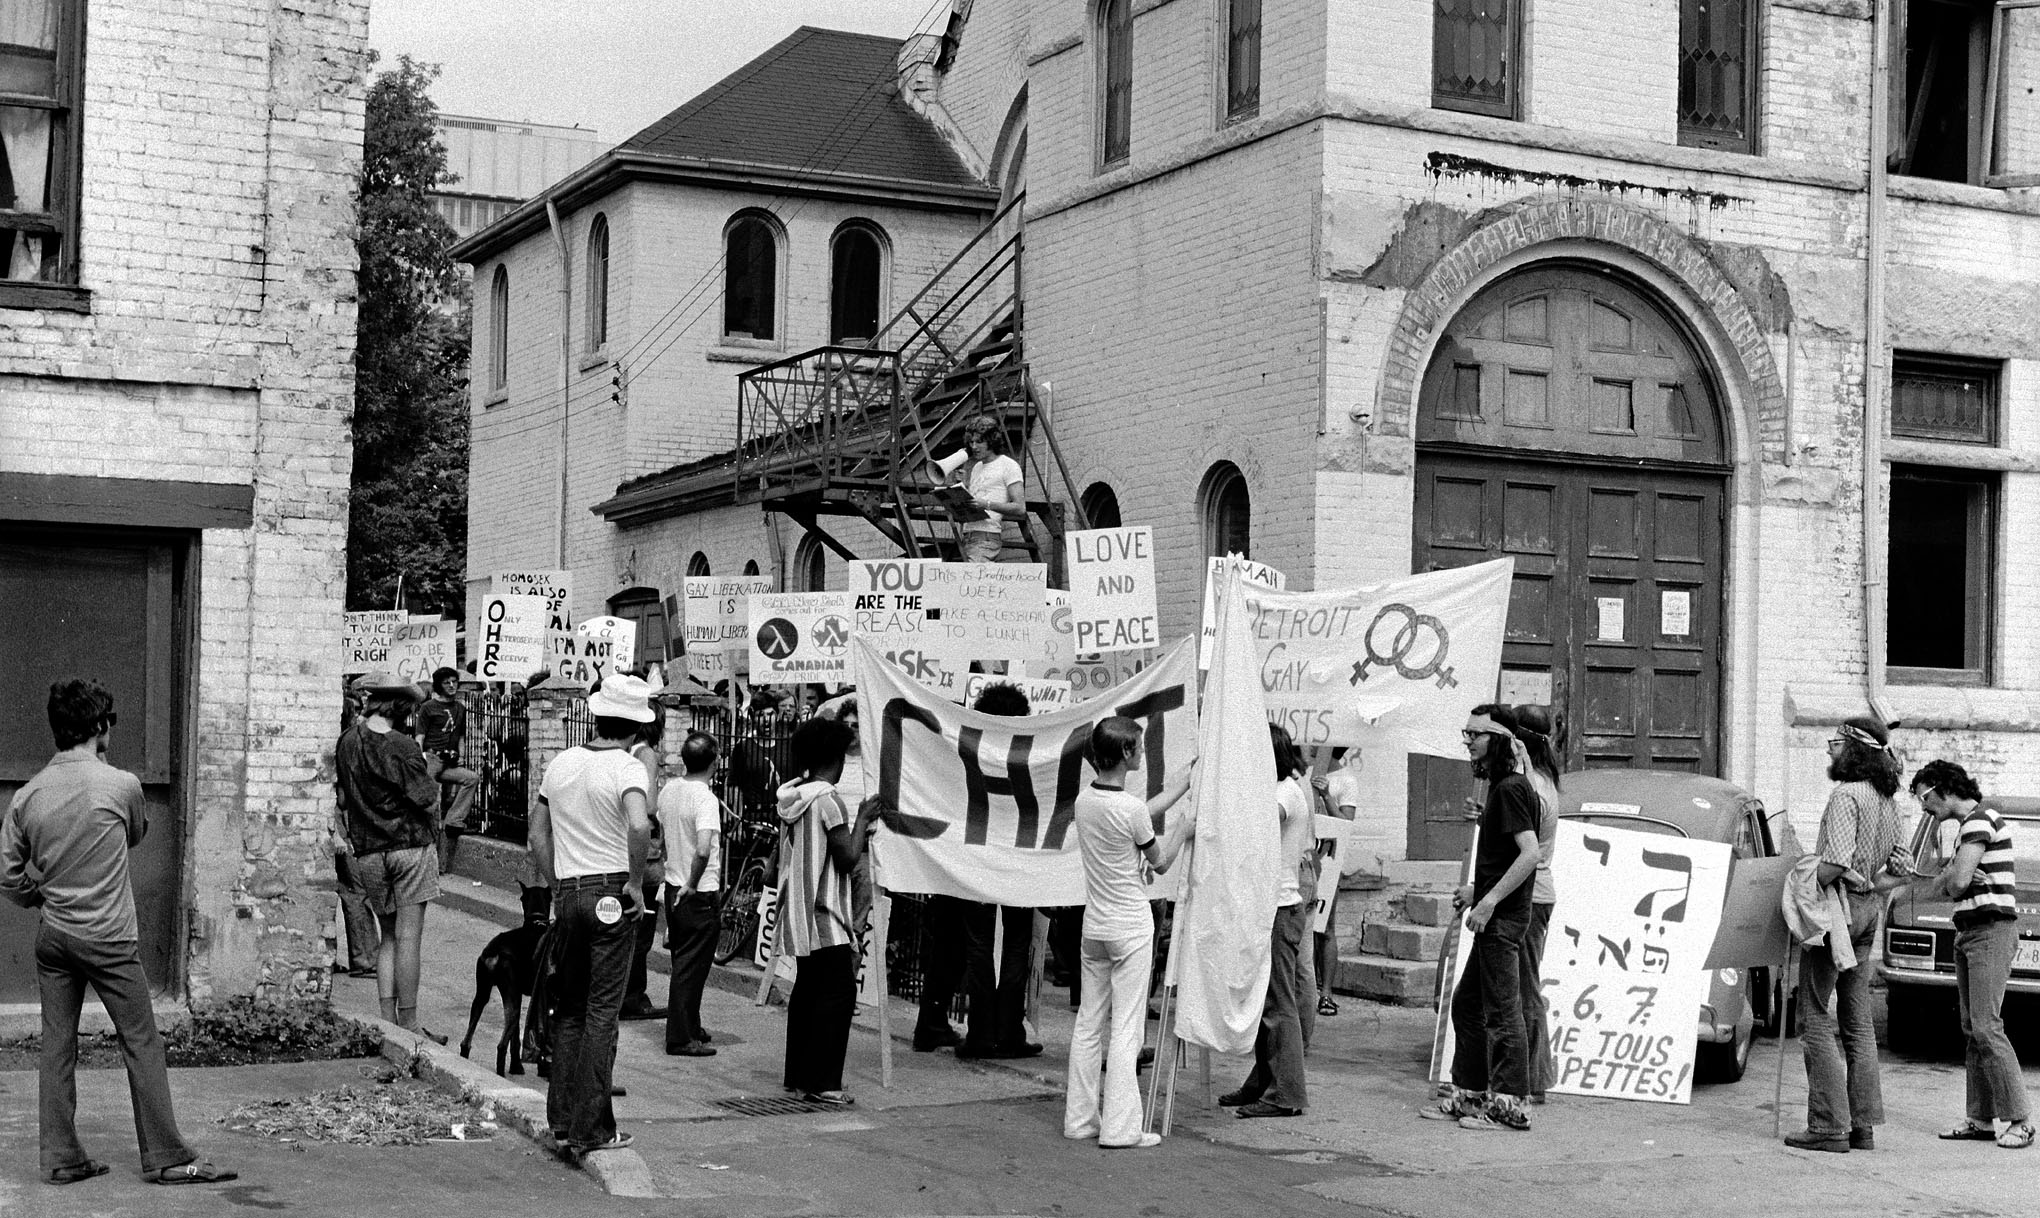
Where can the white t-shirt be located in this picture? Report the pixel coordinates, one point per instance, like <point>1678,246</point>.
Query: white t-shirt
<point>584,788</point>
<point>1112,828</point>
<point>989,480</point>
<point>1299,837</point>
<point>690,819</point>
<point>1344,787</point>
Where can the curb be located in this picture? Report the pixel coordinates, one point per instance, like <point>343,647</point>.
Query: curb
<point>621,1173</point>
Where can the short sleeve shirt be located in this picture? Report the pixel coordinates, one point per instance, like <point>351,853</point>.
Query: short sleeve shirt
<point>1299,839</point>
<point>989,480</point>
<point>1113,827</point>
<point>584,789</point>
<point>1512,808</point>
<point>1858,828</point>
<point>441,725</point>
<point>74,822</point>
<point>1993,893</point>
<point>690,819</point>
<point>389,800</point>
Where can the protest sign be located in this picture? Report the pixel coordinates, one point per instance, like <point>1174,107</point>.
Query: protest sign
<point>732,597</point>
<point>555,588</point>
<point>1042,696</point>
<point>887,608</point>
<point>365,639</point>
<point>1258,574</point>
<point>1112,589</point>
<point>595,649</point>
<point>984,611</point>
<point>716,622</point>
<point>1625,966</point>
<point>1331,834</point>
<point>421,647</point>
<point>1397,664</point>
<point>870,935</point>
<point>979,806</point>
<point>797,637</point>
<point>1057,658</point>
<point>512,638</point>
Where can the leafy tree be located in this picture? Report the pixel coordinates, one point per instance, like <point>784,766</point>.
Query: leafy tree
<point>407,507</point>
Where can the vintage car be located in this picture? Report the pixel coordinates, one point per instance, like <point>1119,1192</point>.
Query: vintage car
<point>1739,1001</point>
<point>1919,933</point>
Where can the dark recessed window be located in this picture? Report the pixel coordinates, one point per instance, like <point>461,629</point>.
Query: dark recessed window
<point>856,276</point>
<point>810,564</point>
<point>499,329</point>
<point>751,283</point>
<point>1943,398</point>
<point>1101,506</point>
<point>42,47</point>
<point>1717,74</point>
<point>697,566</point>
<point>598,283</point>
<point>1243,59</point>
<point>1938,603</point>
<point>1115,28</point>
<point>1228,513</point>
<point>1475,55</point>
<point>1940,56</point>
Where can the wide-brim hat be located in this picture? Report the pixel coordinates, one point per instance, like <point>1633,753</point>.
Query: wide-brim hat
<point>623,698</point>
<point>387,684</point>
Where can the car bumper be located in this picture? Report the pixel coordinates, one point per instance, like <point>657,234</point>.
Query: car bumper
<point>1712,1030</point>
<point>1900,974</point>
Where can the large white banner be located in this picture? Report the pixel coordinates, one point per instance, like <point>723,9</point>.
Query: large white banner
<point>1624,964</point>
<point>1396,664</point>
<point>979,806</point>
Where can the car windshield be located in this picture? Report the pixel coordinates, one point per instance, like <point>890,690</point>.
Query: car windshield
<point>1640,824</point>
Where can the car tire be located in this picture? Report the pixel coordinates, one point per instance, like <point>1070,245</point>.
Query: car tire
<point>1725,1063</point>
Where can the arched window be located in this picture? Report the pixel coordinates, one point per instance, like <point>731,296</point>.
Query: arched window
<point>598,283</point>
<point>1228,514</point>
<point>856,284</point>
<point>810,566</point>
<point>499,329</point>
<point>1101,506</point>
<point>1115,81</point>
<point>751,279</point>
<point>697,566</point>
<point>750,566</point>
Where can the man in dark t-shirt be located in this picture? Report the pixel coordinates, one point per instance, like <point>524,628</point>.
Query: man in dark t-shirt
<point>1490,1059</point>
<point>442,725</point>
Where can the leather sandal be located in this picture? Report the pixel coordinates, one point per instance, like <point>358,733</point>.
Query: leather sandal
<point>1969,1131</point>
<point>191,1173</point>
<point>76,1172</point>
<point>2018,1137</point>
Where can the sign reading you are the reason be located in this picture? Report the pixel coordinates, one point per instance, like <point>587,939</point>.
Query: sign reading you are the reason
<point>1112,589</point>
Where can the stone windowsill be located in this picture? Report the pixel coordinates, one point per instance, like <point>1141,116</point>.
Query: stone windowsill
<point>1920,707</point>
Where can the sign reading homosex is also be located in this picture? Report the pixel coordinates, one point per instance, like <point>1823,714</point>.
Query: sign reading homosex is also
<point>798,637</point>
<point>1112,590</point>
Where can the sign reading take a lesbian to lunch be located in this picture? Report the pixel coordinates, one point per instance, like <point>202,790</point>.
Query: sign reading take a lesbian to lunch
<point>1112,590</point>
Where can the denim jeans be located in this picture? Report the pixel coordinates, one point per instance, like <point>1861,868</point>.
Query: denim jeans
<point>1277,1077</point>
<point>1983,964</point>
<point>591,965</point>
<point>1488,1050</point>
<point>1536,1010</point>
<point>64,966</point>
<point>1839,1042</point>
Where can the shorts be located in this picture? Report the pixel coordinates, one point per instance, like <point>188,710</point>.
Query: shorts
<point>394,878</point>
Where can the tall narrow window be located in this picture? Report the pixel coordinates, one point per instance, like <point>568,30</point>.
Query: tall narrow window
<point>499,329</point>
<point>1937,620</point>
<point>856,274</point>
<point>697,565</point>
<point>1243,59</point>
<point>811,565</point>
<point>1115,28</point>
<point>1940,52</point>
<point>41,88</point>
<point>1717,76</point>
<point>1475,56</point>
<point>1228,512</point>
<point>751,283</point>
<point>598,283</point>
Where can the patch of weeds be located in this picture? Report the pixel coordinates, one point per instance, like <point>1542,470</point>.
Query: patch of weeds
<point>390,1109</point>
<point>240,1031</point>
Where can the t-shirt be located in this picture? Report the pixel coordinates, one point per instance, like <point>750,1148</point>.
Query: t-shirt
<point>1858,828</point>
<point>1992,894</point>
<point>1344,788</point>
<point>690,819</point>
<point>389,800</point>
<point>1113,827</point>
<point>1512,808</point>
<point>1299,839</point>
<point>75,822</point>
<point>989,480</point>
<point>584,789</point>
<point>441,725</point>
<point>1542,890</point>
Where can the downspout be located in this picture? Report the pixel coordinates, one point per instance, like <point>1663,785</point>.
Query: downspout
<point>552,217</point>
<point>1876,370</point>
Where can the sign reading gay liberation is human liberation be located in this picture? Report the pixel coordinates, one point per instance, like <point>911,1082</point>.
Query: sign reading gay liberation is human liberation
<point>421,647</point>
<point>510,642</point>
<point>1396,664</point>
<point>716,622</point>
<point>1259,574</point>
<point>365,639</point>
<point>798,637</point>
<point>1112,589</point>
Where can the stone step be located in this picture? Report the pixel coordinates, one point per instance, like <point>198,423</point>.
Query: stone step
<point>1428,908</point>
<point>1403,941</point>
<point>1410,983</point>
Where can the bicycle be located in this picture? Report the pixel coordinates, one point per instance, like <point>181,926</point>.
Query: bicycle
<point>745,866</point>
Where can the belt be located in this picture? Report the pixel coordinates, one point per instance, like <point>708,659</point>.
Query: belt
<point>618,878</point>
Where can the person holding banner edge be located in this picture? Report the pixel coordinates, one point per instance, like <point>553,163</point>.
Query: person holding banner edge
<point>997,1000</point>
<point>1490,1079</point>
<point>1115,831</point>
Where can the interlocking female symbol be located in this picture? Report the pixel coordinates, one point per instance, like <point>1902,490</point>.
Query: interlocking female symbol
<point>1405,640</point>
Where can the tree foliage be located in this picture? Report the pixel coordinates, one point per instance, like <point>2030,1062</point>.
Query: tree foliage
<point>407,515</point>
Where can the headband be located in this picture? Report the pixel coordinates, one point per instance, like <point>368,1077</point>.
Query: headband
<point>1481,723</point>
<point>1864,738</point>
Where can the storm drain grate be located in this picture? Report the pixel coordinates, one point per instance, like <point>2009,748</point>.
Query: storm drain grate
<point>770,1105</point>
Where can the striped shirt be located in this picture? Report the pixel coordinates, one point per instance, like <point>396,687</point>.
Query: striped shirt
<point>815,903</point>
<point>1992,893</point>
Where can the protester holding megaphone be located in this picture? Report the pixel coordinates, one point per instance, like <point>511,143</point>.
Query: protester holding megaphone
<point>994,482</point>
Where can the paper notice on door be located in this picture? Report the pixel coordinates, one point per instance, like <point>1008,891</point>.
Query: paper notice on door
<point>1675,613</point>
<point>1609,628</point>
<point>1524,688</point>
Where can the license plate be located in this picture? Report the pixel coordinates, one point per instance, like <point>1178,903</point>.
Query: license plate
<point>2027,957</point>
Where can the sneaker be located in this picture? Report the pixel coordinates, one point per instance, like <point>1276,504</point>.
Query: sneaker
<point>1501,1112</point>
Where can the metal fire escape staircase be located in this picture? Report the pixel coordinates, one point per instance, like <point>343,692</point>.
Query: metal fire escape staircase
<point>848,431</point>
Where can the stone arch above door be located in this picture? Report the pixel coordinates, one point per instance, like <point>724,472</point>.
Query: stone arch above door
<point>1574,224</point>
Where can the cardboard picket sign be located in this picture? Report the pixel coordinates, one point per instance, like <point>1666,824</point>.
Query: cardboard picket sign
<point>1257,574</point>
<point>422,646</point>
<point>1057,659</point>
<point>975,612</point>
<point>365,639</point>
<point>1042,695</point>
<point>511,642</point>
<point>1112,589</point>
<point>555,589</point>
<point>800,637</point>
<point>888,609</point>
<point>1332,834</point>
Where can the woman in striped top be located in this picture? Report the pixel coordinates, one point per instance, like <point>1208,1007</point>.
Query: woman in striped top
<point>1980,880</point>
<point>819,849</point>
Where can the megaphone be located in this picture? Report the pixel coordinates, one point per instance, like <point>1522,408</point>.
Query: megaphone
<point>943,469</point>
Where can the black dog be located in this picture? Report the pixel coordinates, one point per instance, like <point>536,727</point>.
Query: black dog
<point>509,965</point>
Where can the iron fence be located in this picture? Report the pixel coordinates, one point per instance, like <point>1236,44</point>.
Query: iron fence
<point>497,746</point>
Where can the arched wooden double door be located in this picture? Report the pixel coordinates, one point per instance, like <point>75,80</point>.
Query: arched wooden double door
<point>1567,421</point>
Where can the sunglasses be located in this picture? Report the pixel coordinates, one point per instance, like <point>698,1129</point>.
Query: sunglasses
<point>110,718</point>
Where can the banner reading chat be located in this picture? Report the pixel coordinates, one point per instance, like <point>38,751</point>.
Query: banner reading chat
<point>979,806</point>
<point>1396,664</point>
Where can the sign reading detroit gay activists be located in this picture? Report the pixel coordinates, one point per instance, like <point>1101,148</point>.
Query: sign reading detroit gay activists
<point>979,807</point>
<point>1397,663</point>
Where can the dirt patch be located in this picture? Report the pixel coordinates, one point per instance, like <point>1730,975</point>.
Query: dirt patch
<point>231,1032</point>
<point>388,1108</point>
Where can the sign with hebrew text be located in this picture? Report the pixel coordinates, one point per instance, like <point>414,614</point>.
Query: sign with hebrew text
<point>1625,960</point>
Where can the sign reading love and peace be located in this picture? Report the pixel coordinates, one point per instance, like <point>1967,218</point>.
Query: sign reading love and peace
<point>980,807</point>
<point>1398,663</point>
<point>1112,589</point>
<point>798,637</point>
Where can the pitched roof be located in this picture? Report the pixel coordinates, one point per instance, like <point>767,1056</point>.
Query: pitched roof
<point>820,101</point>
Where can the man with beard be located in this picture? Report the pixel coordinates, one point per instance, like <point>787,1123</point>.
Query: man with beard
<point>1490,1059</point>
<point>1858,830</point>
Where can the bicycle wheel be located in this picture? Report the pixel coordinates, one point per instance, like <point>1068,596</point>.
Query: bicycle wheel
<point>740,914</point>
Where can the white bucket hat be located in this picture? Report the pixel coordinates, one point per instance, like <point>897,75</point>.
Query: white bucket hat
<point>623,698</point>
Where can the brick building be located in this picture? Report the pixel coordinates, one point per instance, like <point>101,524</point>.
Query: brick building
<point>176,377</point>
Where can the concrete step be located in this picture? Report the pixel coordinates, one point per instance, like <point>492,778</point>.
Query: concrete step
<point>1409,983</point>
<point>1428,908</point>
<point>1402,941</point>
